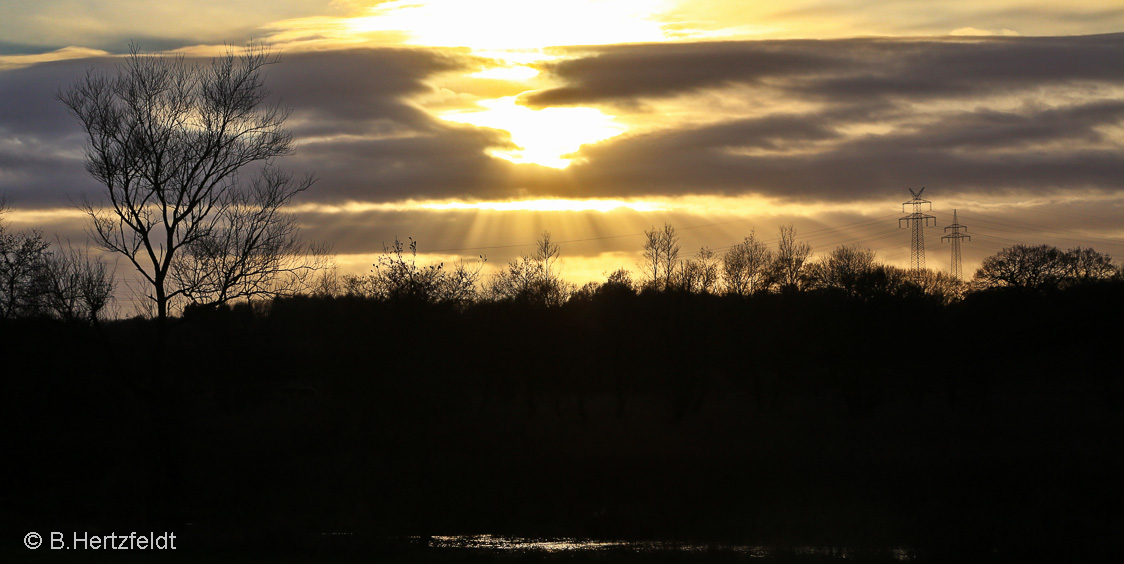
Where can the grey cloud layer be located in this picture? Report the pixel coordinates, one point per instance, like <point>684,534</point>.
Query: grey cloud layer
<point>363,133</point>
<point>835,69</point>
<point>353,92</point>
<point>353,117</point>
<point>981,152</point>
<point>933,96</point>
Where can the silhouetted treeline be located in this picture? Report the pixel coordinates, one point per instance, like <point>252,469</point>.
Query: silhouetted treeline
<point>746,268</point>
<point>986,428</point>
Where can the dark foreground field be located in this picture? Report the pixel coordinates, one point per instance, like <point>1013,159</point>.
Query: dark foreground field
<point>350,430</point>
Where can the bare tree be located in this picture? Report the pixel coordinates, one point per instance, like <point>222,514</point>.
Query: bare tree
<point>529,279</point>
<point>669,253</point>
<point>789,262</point>
<point>22,266</point>
<point>169,139</point>
<point>77,286</point>
<point>844,268</point>
<point>651,261</point>
<point>661,256</point>
<point>546,253</point>
<point>523,280</point>
<point>462,282</point>
<point>399,277</point>
<point>699,274</point>
<point>745,266</point>
<point>67,284</point>
<point>253,247</point>
<point>943,286</point>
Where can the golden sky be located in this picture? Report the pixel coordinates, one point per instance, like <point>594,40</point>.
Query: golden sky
<point>473,126</point>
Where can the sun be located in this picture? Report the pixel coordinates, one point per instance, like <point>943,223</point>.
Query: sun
<point>545,137</point>
<point>516,24</point>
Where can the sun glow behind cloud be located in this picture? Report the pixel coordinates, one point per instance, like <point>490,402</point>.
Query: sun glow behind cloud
<point>538,205</point>
<point>515,34</point>
<point>513,72</point>
<point>591,204</point>
<point>545,137</point>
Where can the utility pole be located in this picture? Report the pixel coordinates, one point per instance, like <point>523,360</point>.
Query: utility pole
<point>918,220</point>
<point>955,238</point>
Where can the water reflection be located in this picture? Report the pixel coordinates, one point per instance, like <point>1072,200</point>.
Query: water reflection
<point>553,545</point>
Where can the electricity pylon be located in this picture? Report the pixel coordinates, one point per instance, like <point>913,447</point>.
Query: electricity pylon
<point>918,220</point>
<point>955,238</point>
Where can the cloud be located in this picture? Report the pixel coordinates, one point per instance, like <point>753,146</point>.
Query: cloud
<point>156,25</point>
<point>833,19</point>
<point>66,53</point>
<point>361,91</point>
<point>926,70</point>
<point>980,151</point>
<point>623,73</point>
<point>854,119</point>
<point>849,68</point>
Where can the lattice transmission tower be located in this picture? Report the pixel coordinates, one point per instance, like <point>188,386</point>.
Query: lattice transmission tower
<point>918,220</point>
<point>955,238</point>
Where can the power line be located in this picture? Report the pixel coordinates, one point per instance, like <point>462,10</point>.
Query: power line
<point>809,236</point>
<point>1077,215</point>
<point>601,238</point>
<point>1061,233</point>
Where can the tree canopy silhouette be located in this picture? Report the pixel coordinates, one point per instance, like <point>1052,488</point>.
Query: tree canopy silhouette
<point>1043,266</point>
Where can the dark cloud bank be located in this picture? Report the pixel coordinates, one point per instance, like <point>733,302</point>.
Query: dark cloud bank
<point>847,69</point>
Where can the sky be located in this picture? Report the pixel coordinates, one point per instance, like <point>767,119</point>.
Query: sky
<point>474,126</point>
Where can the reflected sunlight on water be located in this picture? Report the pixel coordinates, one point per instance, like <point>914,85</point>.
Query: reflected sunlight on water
<point>553,545</point>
